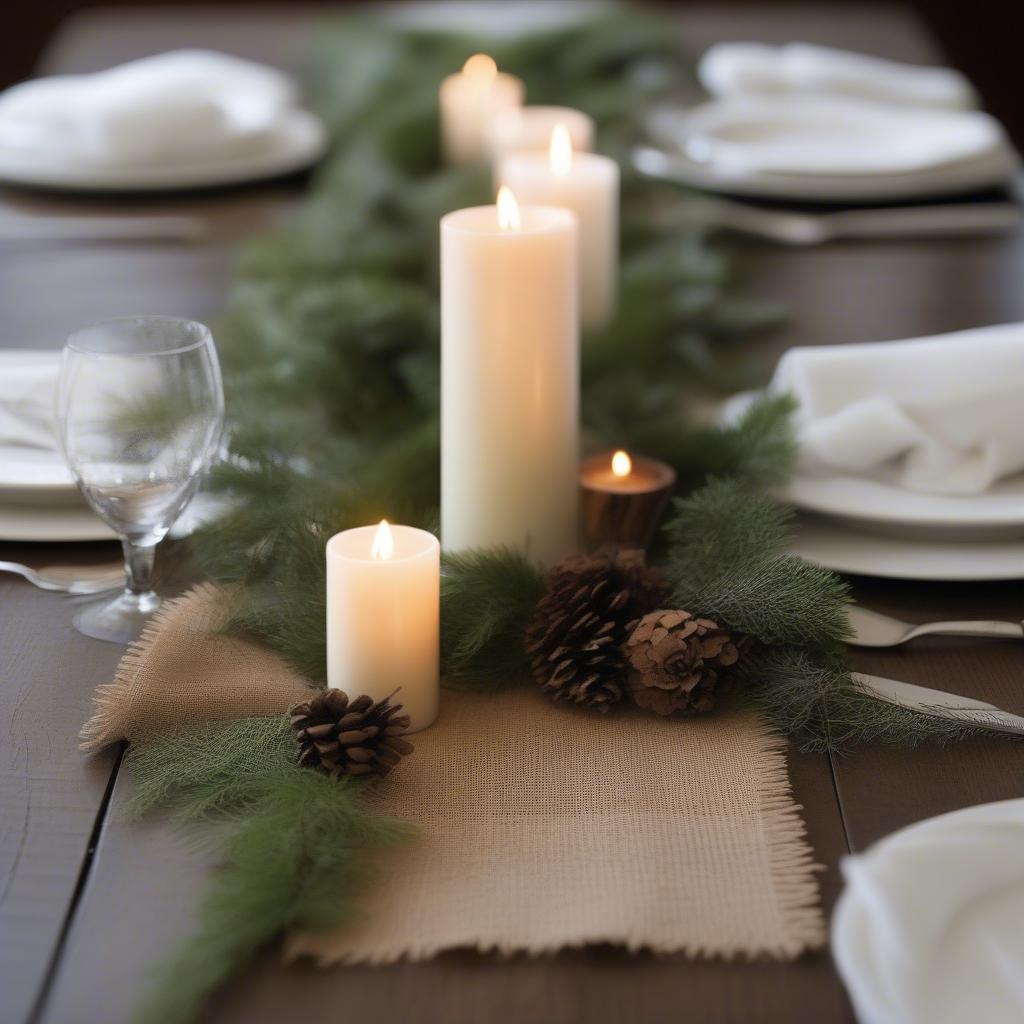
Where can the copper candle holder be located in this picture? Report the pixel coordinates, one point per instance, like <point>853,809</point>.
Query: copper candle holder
<point>623,498</point>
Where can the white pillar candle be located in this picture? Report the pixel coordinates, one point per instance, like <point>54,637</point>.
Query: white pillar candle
<point>528,130</point>
<point>509,379</point>
<point>469,100</point>
<point>383,617</point>
<point>587,184</point>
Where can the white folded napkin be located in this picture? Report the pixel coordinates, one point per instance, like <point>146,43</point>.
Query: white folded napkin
<point>942,414</point>
<point>929,927</point>
<point>28,382</point>
<point>743,135</point>
<point>177,107</point>
<point>730,69</point>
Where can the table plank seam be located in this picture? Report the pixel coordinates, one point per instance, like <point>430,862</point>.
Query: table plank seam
<point>35,1014</point>
<point>839,801</point>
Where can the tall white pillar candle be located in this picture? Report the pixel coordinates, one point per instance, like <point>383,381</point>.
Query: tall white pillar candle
<point>470,99</point>
<point>509,379</point>
<point>528,130</point>
<point>383,617</point>
<point>587,184</point>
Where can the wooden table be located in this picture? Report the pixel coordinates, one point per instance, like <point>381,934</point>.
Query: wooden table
<point>88,905</point>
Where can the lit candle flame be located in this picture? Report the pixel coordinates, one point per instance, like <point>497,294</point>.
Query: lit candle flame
<point>560,151</point>
<point>508,210</point>
<point>481,67</point>
<point>383,546</point>
<point>622,464</point>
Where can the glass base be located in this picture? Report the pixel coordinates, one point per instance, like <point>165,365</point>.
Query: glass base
<point>119,621</point>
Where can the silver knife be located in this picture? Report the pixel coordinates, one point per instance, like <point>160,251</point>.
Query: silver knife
<point>938,703</point>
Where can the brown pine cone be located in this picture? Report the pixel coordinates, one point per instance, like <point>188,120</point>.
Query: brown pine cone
<point>343,737</point>
<point>575,639</point>
<point>676,661</point>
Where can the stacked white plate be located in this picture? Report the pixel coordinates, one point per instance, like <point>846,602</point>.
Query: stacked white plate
<point>183,119</point>
<point>39,499</point>
<point>808,123</point>
<point>833,150</point>
<point>872,527</point>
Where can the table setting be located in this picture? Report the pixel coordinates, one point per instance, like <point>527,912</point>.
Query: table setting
<point>519,590</point>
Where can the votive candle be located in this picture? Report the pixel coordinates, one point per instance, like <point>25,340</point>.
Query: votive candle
<point>383,617</point>
<point>623,498</point>
<point>509,379</point>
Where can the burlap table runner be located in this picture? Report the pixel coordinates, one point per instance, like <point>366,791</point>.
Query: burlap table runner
<point>185,670</point>
<point>540,826</point>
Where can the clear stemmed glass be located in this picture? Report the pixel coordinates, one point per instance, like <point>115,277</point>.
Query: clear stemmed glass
<point>140,409</point>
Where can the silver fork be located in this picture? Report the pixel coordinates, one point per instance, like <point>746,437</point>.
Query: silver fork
<point>74,580</point>
<point>791,227</point>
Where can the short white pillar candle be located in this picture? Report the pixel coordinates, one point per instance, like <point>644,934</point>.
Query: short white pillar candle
<point>509,379</point>
<point>383,617</point>
<point>587,184</point>
<point>528,130</point>
<point>469,100</point>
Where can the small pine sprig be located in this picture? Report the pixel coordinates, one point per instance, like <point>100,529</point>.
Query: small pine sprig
<point>487,600</point>
<point>294,856</point>
<point>728,561</point>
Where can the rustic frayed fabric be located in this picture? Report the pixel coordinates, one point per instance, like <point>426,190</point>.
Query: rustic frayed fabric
<point>540,826</point>
<point>184,671</point>
<point>543,827</point>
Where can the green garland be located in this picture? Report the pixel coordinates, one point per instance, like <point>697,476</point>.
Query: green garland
<point>292,857</point>
<point>330,349</point>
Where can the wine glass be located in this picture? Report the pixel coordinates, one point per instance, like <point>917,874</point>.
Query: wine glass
<point>140,409</point>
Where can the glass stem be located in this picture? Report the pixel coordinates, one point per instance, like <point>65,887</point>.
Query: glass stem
<point>138,566</point>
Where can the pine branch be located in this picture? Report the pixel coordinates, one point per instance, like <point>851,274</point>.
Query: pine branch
<point>487,599</point>
<point>728,560</point>
<point>808,697</point>
<point>294,855</point>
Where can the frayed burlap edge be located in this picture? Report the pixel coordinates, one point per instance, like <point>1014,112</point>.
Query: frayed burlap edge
<point>109,698</point>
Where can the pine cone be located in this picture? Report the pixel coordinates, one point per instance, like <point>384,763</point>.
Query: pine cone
<point>575,640</point>
<point>675,661</point>
<point>343,737</point>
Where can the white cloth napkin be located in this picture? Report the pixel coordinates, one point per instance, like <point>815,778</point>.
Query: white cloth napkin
<point>729,69</point>
<point>929,927</point>
<point>943,413</point>
<point>831,135</point>
<point>28,382</point>
<point>177,107</point>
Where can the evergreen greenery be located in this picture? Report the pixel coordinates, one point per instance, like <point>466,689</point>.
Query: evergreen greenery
<point>487,597</point>
<point>330,342</point>
<point>727,560</point>
<point>292,848</point>
<point>330,347</point>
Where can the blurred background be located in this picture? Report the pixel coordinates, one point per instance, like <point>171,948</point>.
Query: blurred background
<point>981,37</point>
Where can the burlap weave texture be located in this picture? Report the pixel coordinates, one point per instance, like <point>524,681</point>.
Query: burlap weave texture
<point>540,826</point>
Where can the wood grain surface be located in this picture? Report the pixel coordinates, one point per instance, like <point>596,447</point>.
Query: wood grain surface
<point>89,906</point>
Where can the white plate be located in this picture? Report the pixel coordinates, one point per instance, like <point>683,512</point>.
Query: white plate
<point>23,523</point>
<point>835,546</point>
<point>694,136</point>
<point>996,514</point>
<point>26,523</point>
<point>298,140</point>
<point>879,504</point>
<point>34,476</point>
